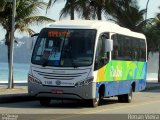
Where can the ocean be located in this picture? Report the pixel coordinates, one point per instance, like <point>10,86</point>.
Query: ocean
<point>20,72</point>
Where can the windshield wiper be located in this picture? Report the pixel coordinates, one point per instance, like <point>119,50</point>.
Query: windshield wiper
<point>45,63</point>
<point>73,64</point>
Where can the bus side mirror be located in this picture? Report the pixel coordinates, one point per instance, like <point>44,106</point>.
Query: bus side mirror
<point>108,45</point>
<point>30,43</point>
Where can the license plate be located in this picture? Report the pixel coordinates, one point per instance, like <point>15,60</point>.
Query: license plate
<point>57,91</point>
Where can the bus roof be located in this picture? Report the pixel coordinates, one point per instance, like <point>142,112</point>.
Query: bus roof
<point>103,26</point>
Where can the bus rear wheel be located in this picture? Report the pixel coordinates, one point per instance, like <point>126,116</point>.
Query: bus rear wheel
<point>127,98</point>
<point>45,101</point>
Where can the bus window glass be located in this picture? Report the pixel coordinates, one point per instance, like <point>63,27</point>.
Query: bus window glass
<point>128,48</point>
<point>64,47</point>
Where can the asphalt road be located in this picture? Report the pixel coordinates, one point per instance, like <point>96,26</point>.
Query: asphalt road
<point>147,102</point>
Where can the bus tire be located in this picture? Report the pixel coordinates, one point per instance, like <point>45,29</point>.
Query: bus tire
<point>94,102</point>
<point>121,98</point>
<point>44,101</point>
<point>126,98</point>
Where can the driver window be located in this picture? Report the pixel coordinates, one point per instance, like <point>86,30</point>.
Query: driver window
<point>101,56</point>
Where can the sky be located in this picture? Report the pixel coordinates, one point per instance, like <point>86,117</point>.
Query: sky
<point>54,11</point>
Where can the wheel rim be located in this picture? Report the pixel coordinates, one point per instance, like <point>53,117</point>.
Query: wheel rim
<point>96,101</point>
<point>130,96</point>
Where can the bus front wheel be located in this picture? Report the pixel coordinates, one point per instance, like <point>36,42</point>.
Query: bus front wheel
<point>45,101</point>
<point>95,102</point>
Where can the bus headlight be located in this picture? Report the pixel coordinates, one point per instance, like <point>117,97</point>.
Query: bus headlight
<point>84,82</point>
<point>34,80</point>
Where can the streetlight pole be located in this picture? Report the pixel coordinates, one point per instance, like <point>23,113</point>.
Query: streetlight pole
<point>10,84</point>
<point>146,10</point>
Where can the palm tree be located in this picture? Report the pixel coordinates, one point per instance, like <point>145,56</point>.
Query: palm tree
<point>68,9</point>
<point>25,16</point>
<point>97,8</point>
<point>2,5</point>
<point>127,14</point>
<point>85,8</point>
<point>157,40</point>
<point>153,37</point>
<point>90,9</point>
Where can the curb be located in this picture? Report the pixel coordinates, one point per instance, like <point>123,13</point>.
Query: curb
<point>10,98</point>
<point>152,86</point>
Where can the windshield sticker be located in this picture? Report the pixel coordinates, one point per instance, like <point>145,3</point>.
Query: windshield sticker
<point>51,43</point>
<point>58,34</point>
<point>56,62</point>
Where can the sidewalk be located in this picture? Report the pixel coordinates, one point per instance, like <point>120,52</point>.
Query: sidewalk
<point>152,86</point>
<point>20,92</point>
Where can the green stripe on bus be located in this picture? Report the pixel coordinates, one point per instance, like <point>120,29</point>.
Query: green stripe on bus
<point>122,70</point>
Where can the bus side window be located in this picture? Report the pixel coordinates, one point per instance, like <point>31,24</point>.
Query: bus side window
<point>101,56</point>
<point>115,52</point>
<point>143,50</point>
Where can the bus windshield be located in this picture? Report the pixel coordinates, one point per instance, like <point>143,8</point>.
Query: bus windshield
<point>64,47</point>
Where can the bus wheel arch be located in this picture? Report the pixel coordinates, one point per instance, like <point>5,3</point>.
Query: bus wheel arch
<point>133,85</point>
<point>101,91</point>
<point>95,102</point>
<point>126,98</point>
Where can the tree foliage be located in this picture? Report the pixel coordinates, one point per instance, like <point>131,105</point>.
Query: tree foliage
<point>26,14</point>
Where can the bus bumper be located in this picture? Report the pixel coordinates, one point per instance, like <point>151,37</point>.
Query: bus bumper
<point>79,93</point>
